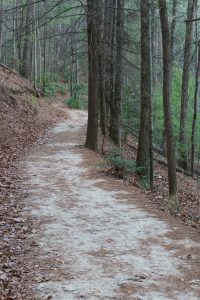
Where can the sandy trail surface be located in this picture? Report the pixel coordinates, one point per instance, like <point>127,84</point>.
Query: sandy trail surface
<point>98,238</point>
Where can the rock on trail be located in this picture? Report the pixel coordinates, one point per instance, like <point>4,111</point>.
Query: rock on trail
<point>95,239</point>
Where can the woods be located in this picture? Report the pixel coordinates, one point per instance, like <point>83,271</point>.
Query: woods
<point>99,149</point>
<point>137,62</point>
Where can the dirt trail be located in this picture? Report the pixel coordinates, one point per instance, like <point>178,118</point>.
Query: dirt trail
<point>95,237</point>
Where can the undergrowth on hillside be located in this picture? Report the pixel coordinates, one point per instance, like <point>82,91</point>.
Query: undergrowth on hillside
<point>79,100</point>
<point>52,85</point>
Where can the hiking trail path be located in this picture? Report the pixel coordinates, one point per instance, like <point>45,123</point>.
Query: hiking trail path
<point>98,238</point>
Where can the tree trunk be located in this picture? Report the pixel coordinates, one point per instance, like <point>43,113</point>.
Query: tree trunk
<point>116,113</point>
<point>194,123</point>
<point>25,68</point>
<point>167,65</point>
<point>112,67</point>
<point>1,28</point>
<point>173,29</point>
<point>101,66</point>
<point>93,105</point>
<point>144,147</point>
<point>185,87</point>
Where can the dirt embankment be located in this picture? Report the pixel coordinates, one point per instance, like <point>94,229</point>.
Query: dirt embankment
<point>24,119</point>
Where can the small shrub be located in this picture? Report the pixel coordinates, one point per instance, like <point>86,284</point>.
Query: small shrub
<point>139,170</point>
<point>33,101</point>
<point>79,100</point>
<point>52,85</point>
<point>144,183</point>
<point>174,204</point>
<point>73,103</point>
<point>127,165</point>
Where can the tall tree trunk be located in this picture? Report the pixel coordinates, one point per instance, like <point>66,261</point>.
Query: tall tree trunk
<point>35,65</point>
<point>167,65</point>
<point>144,143</point>
<point>116,117</point>
<point>14,36</point>
<point>101,65</point>
<point>173,30</point>
<point>93,105</point>
<point>1,28</point>
<point>108,40</point>
<point>72,71</point>
<point>44,58</point>
<point>172,42</point>
<point>185,87</point>
<point>25,68</point>
<point>103,114</point>
<point>112,67</point>
<point>194,123</point>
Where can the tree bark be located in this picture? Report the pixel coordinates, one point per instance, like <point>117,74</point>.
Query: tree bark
<point>116,112</point>
<point>102,47</point>
<point>25,67</point>
<point>167,65</point>
<point>1,28</point>
<point>144,147</point>
<point>93,105</point>
<point>183,162</point>
<point>112,67</point>
<point>194,123</point>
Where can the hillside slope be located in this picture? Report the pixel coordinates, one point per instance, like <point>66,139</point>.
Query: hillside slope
<point>20,110</point>
<point>24,119</point>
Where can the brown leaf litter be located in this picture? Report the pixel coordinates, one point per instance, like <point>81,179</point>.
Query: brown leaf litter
<point>24,120</point>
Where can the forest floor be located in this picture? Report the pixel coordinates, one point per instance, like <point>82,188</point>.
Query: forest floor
<point>92,237</point>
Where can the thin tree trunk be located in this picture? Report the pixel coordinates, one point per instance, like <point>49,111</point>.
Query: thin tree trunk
<point>44,58</point>
<point>112,67</point>
<point>185,87</point>
<point>14,36</point>
<point>35,47</point>
<point>173,30</point>
<point>1,28</point>
<point>71,72</point>
<point>144,147</point>
<point>93,105</point>
<point>167,65</point>
<point>172,42</point>
<point>194,123</point>
<point>115,134</point>
<point>25,69</point>
<point>104,47</point>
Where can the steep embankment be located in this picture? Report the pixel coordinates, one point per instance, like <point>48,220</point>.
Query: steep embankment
<point>23,121</point>
<point>22,117</point>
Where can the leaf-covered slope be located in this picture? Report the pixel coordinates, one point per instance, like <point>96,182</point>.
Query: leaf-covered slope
<point>23,121</point>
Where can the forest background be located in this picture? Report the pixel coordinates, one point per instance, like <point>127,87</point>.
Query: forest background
<point>133,64</point>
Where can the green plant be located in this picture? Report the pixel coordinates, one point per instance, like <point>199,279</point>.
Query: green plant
<point>174,204</point>
<point>51,85</point>
<point>79,101</point>
<point>120,163</point>
<point>33,101</point>
<point>144,183</point>
<point>158,115</point>
<point>73,103</point>
<point>139,170</point>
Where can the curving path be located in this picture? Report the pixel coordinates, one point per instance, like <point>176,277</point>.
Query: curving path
<point>99,239</point>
